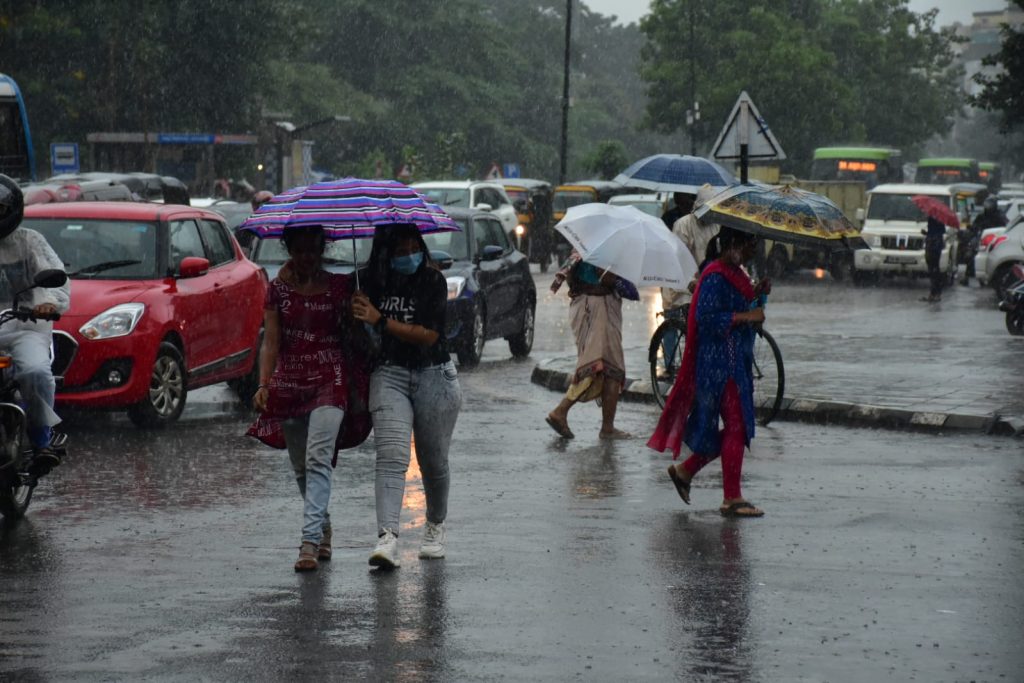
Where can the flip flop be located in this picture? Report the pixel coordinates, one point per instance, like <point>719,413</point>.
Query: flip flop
<point>562,429</point>
<point>737,510</point>
<point>682,487</point>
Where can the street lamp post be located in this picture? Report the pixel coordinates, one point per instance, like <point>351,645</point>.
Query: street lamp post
<point>565,95</point>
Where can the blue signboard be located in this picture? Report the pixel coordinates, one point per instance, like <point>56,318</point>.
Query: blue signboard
<point>64,157</point>
<point>184,138</point>
<point>510,170</point>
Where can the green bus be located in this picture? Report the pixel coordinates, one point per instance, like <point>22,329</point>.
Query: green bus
<point>947,170</point>
<point>872,165</point>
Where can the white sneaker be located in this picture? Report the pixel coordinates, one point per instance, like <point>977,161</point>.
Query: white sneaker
<point>385,555</point>
<point>432,547</point>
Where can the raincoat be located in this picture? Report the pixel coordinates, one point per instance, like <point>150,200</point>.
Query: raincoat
<point>716,351</point>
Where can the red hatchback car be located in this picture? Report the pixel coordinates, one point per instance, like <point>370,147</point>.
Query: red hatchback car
<point>162,301</point>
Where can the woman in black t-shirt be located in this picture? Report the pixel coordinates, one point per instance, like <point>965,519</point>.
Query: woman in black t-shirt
<point>414,390</point>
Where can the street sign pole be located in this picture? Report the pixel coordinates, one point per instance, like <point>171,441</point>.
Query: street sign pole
<point>744,134</point>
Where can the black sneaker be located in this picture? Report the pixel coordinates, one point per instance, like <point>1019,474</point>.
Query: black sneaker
<point>43,460</point>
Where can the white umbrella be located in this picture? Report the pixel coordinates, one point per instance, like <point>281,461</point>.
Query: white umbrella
<point>630,243</point>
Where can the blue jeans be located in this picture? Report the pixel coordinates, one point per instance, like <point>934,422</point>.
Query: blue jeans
<point>310,442</point>
<point>413,403</point>
<point>31,352</point>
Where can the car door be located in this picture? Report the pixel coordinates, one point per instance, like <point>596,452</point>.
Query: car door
<point>197,309</point>
<point>235,292</point>
<point>505,290</point>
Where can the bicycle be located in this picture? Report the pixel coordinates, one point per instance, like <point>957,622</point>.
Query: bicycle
<point>768,370</point>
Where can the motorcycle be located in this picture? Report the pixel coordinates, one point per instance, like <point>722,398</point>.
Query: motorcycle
<point>19,475</point>
<point>1013,303</point>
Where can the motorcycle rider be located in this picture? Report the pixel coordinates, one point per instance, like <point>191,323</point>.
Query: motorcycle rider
<point>23,254</point>
<point>990,217</point>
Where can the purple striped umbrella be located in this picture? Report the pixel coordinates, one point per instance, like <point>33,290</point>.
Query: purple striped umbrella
<point>348,208</point>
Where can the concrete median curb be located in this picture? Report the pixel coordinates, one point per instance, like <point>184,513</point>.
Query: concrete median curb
<point>551,374</point>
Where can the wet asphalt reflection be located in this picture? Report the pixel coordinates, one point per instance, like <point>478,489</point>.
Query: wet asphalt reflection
<point>168,556</point>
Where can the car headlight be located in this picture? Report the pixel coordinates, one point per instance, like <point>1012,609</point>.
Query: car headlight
<point>520,230</point>
<point>455,286</point>
<point>113,322</point>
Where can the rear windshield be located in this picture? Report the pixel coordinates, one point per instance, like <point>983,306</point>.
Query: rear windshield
<point>445,197</point>
<point>565,200</point>
<point>102,249</point>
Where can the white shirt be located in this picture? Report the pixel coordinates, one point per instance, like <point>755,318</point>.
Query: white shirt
<point>23,254</point>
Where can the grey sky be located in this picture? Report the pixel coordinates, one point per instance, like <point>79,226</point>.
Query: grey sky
<point>949,10</point>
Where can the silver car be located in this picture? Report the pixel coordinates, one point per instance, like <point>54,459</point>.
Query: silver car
<point>1005,251</point>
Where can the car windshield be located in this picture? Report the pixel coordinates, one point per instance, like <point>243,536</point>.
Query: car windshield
<point>271,251</point>
<point>896,207</point>
<point>564,200</point>
<point>454,243</point>
<point>446,196</point>
<point>102,249</point>
<point>652,208</point>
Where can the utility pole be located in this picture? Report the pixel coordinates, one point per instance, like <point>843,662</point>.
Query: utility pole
<point>563,153</point>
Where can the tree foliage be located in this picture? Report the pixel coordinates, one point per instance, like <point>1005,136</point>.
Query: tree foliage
<point>1004,91</point>
<point>822,72</point>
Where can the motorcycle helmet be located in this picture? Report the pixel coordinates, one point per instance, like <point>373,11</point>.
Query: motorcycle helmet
<point>12,206</point>
<point>990,203</point>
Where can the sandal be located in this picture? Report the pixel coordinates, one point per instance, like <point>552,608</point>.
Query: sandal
<point>682,487</point>
<point>560,427</point>
<point>741,508</point>
<point>307,557</point>
<point>323,551</point>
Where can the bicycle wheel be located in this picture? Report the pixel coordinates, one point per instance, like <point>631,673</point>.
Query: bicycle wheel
<point>665,362</point>
<point>769,376</point>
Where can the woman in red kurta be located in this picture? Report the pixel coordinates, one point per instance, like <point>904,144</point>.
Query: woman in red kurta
<point>304,379</point>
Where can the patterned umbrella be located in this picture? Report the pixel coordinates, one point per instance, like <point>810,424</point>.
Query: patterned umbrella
<point>348,208</point>
<point>785,214</point>
<point>675,173</point>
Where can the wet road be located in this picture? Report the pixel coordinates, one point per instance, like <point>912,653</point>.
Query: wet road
<point>883,556</point>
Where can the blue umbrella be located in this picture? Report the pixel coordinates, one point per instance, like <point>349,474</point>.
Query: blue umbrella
<point>675,173</point>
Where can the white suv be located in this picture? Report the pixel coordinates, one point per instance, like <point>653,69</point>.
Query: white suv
<point>472,194</point>
<point>893,228</point>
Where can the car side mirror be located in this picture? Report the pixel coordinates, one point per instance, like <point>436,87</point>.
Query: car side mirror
<point>483,207</point>
<point>859,215</point>
<point>50,279</point>
<point>491,253</point>
<point>193,266</point>
<point>443,259</point>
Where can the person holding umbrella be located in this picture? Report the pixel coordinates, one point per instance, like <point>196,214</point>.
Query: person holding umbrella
<point>939,216</point>
<point>595,297</point>
<point>716,378</point>
<point>414,390</point>
<point>305,379</point>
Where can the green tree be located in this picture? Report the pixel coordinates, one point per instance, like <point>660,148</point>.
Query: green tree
<point>820,71</point>
<point>608,159</point>
<point>1004,91</point>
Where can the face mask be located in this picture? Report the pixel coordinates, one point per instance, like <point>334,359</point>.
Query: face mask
<point>407,265</point>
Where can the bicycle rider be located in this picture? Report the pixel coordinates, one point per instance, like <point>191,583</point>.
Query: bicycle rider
<point>23,254</point>
<point>696,236</point>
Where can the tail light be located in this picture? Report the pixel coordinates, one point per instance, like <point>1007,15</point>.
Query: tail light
<point>6,362</point>
<point>987,240</point>
<point>997,241</point>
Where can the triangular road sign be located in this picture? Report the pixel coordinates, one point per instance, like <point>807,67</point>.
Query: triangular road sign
<point>745,125</point>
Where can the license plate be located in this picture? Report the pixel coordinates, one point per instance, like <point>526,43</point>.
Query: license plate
<point>901,260</point>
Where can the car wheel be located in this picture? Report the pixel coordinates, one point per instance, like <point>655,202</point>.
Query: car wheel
<point>165,399</point>
<point>520,344</point>
<point>472,346</point>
